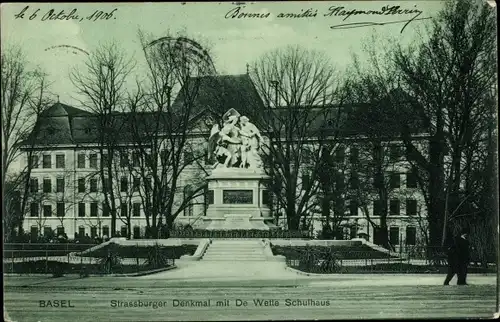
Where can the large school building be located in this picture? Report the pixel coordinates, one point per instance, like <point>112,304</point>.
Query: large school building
<point>66,190</point>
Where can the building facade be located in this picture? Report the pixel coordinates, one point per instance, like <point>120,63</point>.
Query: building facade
<point>66,180</point>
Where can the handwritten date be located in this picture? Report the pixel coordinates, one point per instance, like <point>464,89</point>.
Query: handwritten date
<point>73,15</point>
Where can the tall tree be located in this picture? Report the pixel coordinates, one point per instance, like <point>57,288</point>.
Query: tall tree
<point>450,77</point>
<point>102,86</point>
<point>162,132</point>
<point>445,81</point>
<point>379,164</point>
<point>24,98</point>
<point>298,87</point>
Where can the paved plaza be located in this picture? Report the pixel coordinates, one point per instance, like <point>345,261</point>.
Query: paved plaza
<point>264,297</point>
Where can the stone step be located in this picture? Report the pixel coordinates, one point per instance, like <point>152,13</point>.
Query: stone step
<point>223,252</point>
<point>236,251</point>
<point>235,248</point>
<point>237,245</point>
<point>234,259</point>
<point>234,254</point>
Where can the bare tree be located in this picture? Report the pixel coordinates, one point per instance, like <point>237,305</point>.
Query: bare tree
<point>444,81</point>
<point>12,216</point>
<point>380,161</point>
<point>299,91</point>
<point>24,99</point>
<point>102,86</point>
<point>164,147</point>
<point>450,77</point>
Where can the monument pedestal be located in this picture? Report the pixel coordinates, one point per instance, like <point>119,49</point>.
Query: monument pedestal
<point>238,199</point>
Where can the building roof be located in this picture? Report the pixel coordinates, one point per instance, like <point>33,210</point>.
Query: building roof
<point>56,124</point>
<point>218,94</point>
<point>60,109</point>
<point>212,96</point>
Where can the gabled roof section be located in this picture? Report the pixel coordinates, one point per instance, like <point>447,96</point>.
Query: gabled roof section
<point>56,125</point>
<point>60,109</point>
<point>217,94</point>
<point>64,124</point>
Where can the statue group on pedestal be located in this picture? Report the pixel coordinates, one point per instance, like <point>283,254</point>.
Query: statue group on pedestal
<point>238,141</point>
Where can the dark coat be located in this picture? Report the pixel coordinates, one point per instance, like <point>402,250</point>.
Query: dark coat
<point>459,253</point>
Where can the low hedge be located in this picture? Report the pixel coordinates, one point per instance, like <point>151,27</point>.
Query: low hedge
<point>341,252</point>
<point>41,250</point>
<point>138,251</point>
<point>385,268</point>
<point>58,269</point>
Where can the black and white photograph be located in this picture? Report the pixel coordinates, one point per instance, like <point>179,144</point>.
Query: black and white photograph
<point>250,161</point>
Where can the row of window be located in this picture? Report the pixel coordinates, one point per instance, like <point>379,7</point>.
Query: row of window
<point>394,182</point>
<point>394,207</point>
<point>82,232</point>
<point>82,209</point>
<point>189,156</point>
<point>378,181</point>
<point>92,160</point>
<point>395,154</point>
<point>61,161</point>
<point>394,235</point>
<point>82,184</point>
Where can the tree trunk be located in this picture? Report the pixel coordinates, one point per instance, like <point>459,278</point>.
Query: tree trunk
<point>129,227</point>
<point>325,210</point>
<point>436,189</point>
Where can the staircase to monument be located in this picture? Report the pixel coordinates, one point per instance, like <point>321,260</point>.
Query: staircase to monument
<point>235,250</point>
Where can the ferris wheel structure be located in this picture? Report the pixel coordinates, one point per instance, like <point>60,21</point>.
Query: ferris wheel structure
<point>185,53</point>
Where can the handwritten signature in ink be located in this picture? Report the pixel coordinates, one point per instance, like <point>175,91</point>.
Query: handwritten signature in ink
<point>384,11</point>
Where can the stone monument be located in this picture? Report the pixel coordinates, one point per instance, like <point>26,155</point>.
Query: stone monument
<point>237,194</point>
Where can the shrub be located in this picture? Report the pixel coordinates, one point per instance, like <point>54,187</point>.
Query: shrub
<point>319,260</point>
<point>58,269</point>
<point>156,257</point>
<point>84,271</point>
<point>111,263</point>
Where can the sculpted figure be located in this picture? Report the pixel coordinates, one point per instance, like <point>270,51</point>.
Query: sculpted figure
<point>250,139</point>
<point>238,140</point>
<point>225,143</point>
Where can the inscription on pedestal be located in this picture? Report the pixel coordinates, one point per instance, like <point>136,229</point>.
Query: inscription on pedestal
<point>231,219</point>
<point>237,196</point>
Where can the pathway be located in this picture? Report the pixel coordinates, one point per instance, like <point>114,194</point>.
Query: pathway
<point>344,297</point>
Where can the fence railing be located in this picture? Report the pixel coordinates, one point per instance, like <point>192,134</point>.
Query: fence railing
<point>238,234</point>
<point>60,259</point>
<point>324,260</point>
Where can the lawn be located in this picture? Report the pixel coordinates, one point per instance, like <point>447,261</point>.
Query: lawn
<point>20,250</point>
<point>138,251</point>
<point>359,251</point>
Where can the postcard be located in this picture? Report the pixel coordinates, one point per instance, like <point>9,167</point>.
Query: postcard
<point>245,161</point>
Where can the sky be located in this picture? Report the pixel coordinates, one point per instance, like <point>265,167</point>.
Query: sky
<point>233,42</point>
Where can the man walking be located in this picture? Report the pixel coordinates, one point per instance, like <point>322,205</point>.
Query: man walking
<point>458,258</point>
